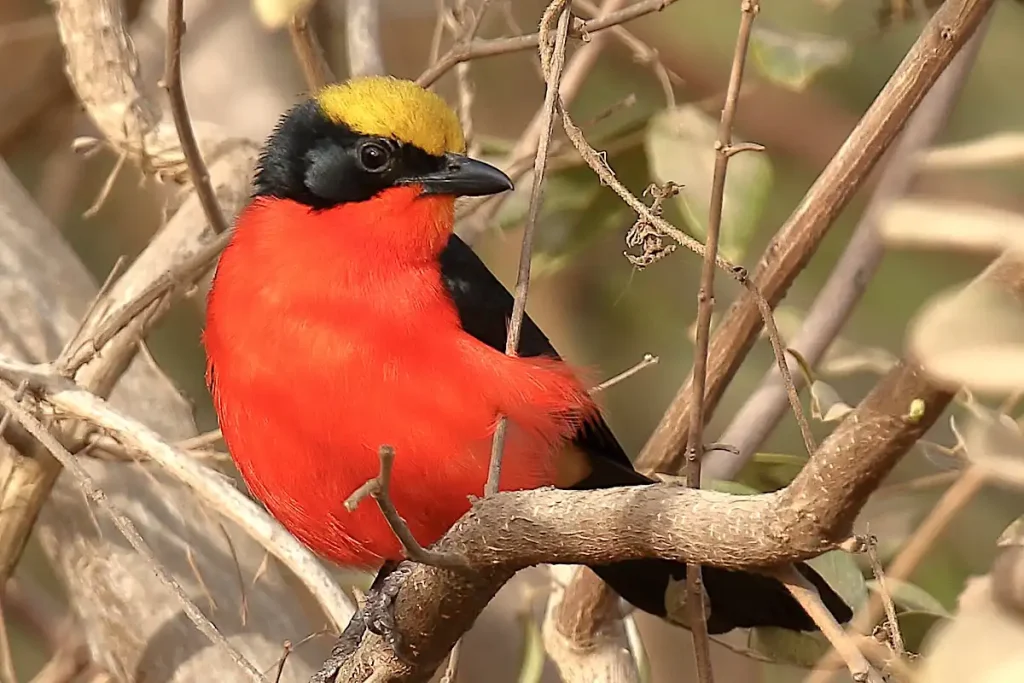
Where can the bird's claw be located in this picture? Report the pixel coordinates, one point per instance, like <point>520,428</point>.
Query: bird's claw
<point>379,609</point>
<point>344,648</point>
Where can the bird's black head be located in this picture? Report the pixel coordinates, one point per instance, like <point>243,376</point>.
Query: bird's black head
<point>360,138</point>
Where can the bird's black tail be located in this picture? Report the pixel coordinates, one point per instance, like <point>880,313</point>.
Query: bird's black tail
<point>737,599</point>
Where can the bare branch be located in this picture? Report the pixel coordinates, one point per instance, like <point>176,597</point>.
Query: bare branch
<point>705,306</point>
<point>644,362</point>
<point>362,35</point>
<point>833,305</point>
<point>807,595</point>
<point>551,62</point>
<point>582,633</point>
<point>209,486</point>
<point>182,123</point>
<point>125,526</point>
<point>797,240</point>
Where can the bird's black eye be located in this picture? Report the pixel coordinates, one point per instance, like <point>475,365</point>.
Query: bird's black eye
<point>374,156</point>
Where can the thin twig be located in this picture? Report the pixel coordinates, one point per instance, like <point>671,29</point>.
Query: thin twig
<point>705,306</point>
<point>807,595</point>
<point>895,636</point>
<point>362,36</point>
<point>518,162</point>
<point>125,526</point>
<point>952,502</point>
<point>642,53</point>
<point>848,281</point>
<point>182,123</point>
<point>644,362</point>
<point>379,488</point>
<point>499,46</point>
<point>552,62</point>
<point>315,69</point>
<point>200,441</point>
<point>650,216</point>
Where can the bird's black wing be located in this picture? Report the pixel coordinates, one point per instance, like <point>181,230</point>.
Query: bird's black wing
<point>485,308</point>
<point>737,599</point>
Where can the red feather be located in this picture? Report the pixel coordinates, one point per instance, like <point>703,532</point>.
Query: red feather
<point>330,333</point>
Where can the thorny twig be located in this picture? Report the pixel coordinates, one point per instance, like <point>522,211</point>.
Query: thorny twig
<point>182,123</point>
<point>379,488</point>
<point>124,525</point>
<point>705,306</point>
<point>552,62</point>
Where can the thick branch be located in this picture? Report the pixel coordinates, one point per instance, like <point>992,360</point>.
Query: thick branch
<point>509,531</point>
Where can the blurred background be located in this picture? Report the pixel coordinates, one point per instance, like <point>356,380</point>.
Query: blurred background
<point>815,67</point>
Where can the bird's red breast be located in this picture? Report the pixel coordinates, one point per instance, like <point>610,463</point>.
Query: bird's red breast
<point>330,333</point>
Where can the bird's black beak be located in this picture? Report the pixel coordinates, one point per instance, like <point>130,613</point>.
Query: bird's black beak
<point>462,177</point>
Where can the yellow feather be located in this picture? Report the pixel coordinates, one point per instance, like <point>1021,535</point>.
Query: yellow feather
<point>393,108</point>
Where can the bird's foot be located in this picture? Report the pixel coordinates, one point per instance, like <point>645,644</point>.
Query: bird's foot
<point>344,648</point>
<point>379,609</point>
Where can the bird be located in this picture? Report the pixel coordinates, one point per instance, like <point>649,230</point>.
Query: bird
<point>345,314</point>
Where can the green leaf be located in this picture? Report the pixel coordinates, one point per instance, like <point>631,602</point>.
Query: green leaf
<point>680,147</point>
<point>841,572</point>
<point>911,597</point>
<point>794,60</point>
<point>805,649</point>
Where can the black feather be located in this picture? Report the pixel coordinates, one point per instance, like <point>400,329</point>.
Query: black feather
<point>737,599</point>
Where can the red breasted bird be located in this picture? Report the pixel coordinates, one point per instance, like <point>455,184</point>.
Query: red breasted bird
<point>345,314</point>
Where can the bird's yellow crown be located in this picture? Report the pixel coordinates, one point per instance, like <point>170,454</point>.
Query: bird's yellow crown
<point>393,108</point>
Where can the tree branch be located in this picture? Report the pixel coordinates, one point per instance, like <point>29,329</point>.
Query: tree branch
<point>509,531</point>
<point>797,240</point>
<point>833,305</point>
